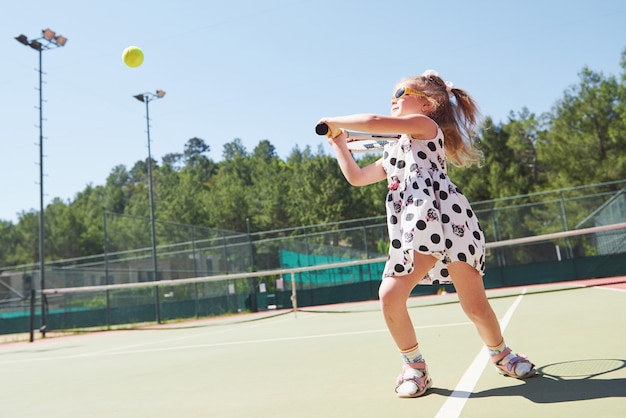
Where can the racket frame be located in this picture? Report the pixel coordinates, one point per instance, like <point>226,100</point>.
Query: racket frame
<point>369,142</point>
<point>361,141</point>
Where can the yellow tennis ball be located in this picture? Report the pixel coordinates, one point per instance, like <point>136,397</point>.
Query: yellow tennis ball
<point>133,56</point>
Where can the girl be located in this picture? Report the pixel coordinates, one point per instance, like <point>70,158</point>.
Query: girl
<point>434,234</point>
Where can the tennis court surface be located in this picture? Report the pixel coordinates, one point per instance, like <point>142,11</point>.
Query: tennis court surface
<point>334,361</point>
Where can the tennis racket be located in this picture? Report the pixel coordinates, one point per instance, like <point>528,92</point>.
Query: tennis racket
<point>362,141</point>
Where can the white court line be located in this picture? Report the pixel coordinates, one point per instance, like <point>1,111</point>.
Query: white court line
<point>610,289</point>
<point>129,347</point>
<point>456,402</point>
<point>185,337</point>
<point>104,353</point>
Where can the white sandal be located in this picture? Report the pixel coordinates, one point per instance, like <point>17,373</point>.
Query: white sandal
<point>414,380</point>
<point>507,364</point>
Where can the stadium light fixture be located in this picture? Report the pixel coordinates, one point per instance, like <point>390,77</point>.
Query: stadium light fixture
<point>22,39</point>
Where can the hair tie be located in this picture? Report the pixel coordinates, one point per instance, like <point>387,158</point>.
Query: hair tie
<point>433,73</point>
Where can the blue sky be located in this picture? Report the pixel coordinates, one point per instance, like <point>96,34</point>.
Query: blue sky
<point>265,70</point>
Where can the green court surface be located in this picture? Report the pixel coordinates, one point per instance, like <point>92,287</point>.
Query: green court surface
<point>334,361</point>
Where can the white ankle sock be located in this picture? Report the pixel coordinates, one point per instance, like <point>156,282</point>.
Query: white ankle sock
<point>412,355</point>
<point>494,351</point>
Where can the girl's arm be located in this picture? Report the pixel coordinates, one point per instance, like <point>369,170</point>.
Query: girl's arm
<point>415,125</point>
<point>355,175</point>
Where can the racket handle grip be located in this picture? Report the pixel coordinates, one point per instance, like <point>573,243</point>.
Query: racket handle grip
<point>321,129</point>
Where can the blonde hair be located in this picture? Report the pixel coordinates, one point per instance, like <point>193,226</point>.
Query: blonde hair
<point>458,118</point>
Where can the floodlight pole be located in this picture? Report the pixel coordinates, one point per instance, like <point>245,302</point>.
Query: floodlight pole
<point>42,261</point>
<point>48,40</point>
<point>147,98</point>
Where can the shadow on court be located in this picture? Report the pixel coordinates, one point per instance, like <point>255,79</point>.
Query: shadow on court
<point>545,390</point>
<point>577,383</point>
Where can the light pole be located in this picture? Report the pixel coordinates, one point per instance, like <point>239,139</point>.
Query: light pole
<point>147,98</point>
<point>48,40</point>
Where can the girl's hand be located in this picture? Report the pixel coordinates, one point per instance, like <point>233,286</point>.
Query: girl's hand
<point>333,129</point>
<point>340,137</point>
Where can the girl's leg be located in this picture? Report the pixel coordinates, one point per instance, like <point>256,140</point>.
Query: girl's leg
<point>414,379</point>
<point>394,293</point>
<point>471,292</point>
<point>468,284</point>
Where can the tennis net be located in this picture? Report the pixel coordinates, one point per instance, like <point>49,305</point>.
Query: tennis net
<point>578,254</point>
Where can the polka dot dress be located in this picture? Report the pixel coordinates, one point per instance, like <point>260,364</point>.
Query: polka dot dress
<point>426,212</point>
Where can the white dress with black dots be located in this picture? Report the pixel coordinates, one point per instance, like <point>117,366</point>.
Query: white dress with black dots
<point>426,211</point>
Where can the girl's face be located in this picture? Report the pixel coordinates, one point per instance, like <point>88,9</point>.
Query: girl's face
<point>408,101</point>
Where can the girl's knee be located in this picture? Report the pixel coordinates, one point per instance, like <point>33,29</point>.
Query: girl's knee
<point>391,293</point>
<point>478,310</point>
<point>385,295</point>
<point>474,312</point>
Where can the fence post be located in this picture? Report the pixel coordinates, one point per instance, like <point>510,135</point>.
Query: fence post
<point>32,312</point>
<point>106,266</point>
<point>294,296</point>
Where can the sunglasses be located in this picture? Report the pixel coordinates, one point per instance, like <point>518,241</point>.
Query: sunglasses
<point>403,91</point>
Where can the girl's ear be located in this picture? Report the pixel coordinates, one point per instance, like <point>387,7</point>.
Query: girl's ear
<point>429,106</point>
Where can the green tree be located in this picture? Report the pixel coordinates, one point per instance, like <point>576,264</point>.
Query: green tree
<point>269,189</point>
<point>320,193</point>
<point>63,231</point>
<point>586,140</point>
<point>181,192</point>
<point>228,203</point>
<point>26,238</point>
<point>523,135</point>
<point>116,196</point>
<point>88,206</point>
<point>9,245</point>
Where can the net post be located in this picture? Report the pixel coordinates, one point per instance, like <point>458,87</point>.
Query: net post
<point>294,297</point>
<point>33,296</point>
